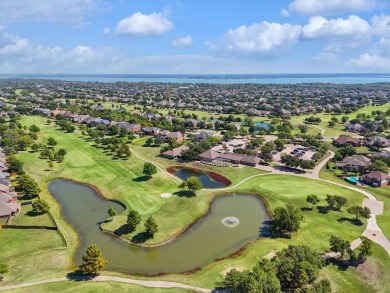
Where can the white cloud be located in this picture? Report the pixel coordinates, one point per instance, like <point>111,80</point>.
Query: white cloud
<point>320,27</point>
<point>325,57</point>
<point>316,7</point>
<point>381,25</point>
<point>106,30</point>
<point>261,38</point>
<point>59,11</point>
<point>139,24</point>
<point>285,13</point>
<point>182,42</point>
<point>371,61</point>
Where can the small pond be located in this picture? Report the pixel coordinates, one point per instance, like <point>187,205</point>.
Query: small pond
<point>207,181</point>
<point>233,221</point>
<point>266,126</point>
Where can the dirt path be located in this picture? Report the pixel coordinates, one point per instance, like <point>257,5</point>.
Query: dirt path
<point>151,284</point>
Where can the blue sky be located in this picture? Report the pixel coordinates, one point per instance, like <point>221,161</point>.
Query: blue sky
<point>194,36</point>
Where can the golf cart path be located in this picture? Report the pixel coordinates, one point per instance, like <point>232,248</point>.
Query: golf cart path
<point>154,163</point>
<point>315,126</point>
<point>372,230</point>
<point>151,284</point>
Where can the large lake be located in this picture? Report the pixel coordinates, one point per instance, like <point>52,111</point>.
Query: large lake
<point>339,78</point>
<point>213,236</point>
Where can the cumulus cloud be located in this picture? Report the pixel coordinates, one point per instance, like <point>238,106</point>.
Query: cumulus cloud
<point>139,24</point>
<point>320,27</point>
<point>182,42</point>
<point>260,38</point>
<point>371,61</point>
<point>59,11</point>
<point>316,7</point>
<point>381,24</point>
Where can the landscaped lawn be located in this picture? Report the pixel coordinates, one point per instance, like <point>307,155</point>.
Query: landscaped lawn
<point>26,217</point>
<point>115,179</point>
<point>338,129</point>
<point>96,287</point>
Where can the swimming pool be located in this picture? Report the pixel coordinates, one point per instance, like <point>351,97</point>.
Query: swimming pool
<point>353,180</point>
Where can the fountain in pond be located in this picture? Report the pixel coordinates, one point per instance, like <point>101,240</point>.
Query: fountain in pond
<point>230,222</point>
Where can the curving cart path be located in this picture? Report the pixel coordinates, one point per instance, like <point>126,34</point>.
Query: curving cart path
<point>151,284</point>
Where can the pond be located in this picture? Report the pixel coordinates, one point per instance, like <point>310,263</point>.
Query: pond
<point>266,126</point>
<point>233,221</point>
<point>207,181</point>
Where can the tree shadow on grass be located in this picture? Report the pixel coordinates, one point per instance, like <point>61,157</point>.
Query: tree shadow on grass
<point>122,230</point>
<point>141,179</point>
<point>32,214</point>
<point>141,237</point>
<point>78,276</point>
<point>306,209</point>
<point>341,264</point>
<point>323,209</point>
<point>356,222</point>
<point>184,193</point>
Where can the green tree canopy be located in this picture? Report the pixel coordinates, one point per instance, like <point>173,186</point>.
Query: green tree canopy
<point>286,220</point>
<point>149,169</point>
<point>93,261</point>
<point>40,206</point>
<point>151,226</point>
<point>194,184</point>
<point>133,220</point>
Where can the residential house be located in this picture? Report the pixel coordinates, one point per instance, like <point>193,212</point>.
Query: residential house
<point>203,135</point>
<point>357,163</point>
<point>174,153</point>
<point>343,140</point>
<point>151,130</point>
<point>376,179</point>
<point>355,128</point>
<point>237,125</point>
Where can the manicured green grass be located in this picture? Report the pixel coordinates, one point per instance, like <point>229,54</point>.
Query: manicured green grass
<point>25,241</point>
<point>27,218</point>
<point>96,287</point>
<point>115,179</point>
<point>338,129</point>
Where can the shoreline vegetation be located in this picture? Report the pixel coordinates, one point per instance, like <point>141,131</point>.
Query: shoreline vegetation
<point>214,176</point>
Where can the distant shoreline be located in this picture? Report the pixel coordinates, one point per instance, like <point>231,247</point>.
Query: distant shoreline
<point>335,78</point>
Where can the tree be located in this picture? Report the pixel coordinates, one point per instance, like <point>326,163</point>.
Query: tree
<point>62,152</point>
<point>286,220</point>
<point>158,141</point>
<point>34,128</point>
<point>303,128</point>
<point>111,212</point>
<point>149,169</point>
<point>51,141</point>
<point>312,199</point>
<point>40,206</point>
<point>3,268</point>
<point>262,279</point>
<point>51,165</point>
<point>338,245</point>
<point>151,226</point>
<point>297,266</point>
<point>365,249</point>
<point>35,147</point>
<point>93,261</point>
<point>29,186</point>
<point>378,165</point>
<point>335,202</point>
<point>359,211</point>
<point>133,220</point>
<point>193,184</point>
<point>149,141</point>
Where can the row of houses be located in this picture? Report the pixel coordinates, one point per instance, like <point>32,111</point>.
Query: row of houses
<point>370,141</point>
<point>9,205</point>
<point>360,163</point>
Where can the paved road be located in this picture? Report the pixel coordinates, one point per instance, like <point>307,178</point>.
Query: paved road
<point>151,284</point>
